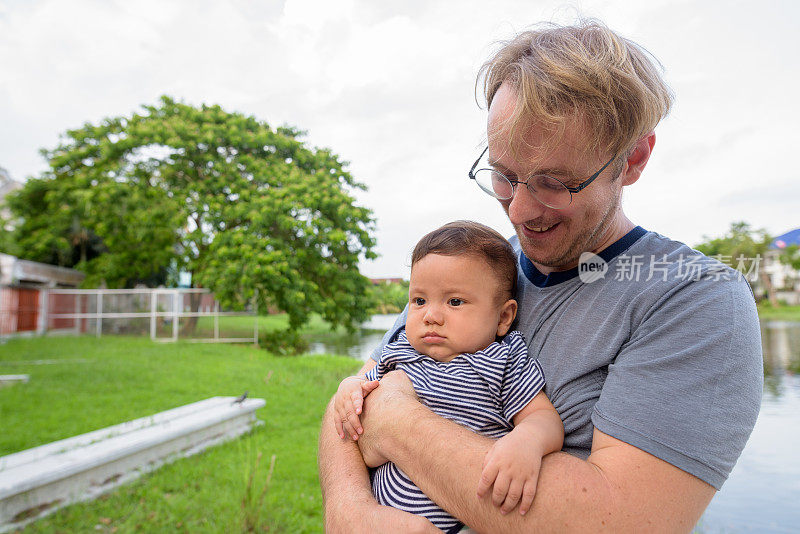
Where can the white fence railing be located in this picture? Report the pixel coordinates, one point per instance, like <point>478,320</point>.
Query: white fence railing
<point>161,312</point>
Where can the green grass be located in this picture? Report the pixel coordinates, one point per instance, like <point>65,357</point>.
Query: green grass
<point>779,313</point>
<point>236,326</point>
<point>126,378</point>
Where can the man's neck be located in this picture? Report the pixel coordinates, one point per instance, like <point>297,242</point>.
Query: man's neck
<point>618,228</point>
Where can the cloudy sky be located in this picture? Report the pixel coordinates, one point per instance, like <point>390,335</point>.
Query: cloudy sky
<point>390,87</point>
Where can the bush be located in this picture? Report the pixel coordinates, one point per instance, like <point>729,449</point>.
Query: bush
<point>283,342</point>
<point>389,297</point>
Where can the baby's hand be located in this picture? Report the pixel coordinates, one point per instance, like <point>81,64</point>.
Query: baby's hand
<point>348,404</point>
<point>512,466</point>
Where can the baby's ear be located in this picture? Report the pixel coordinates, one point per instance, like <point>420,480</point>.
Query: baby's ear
<point>507,313</point>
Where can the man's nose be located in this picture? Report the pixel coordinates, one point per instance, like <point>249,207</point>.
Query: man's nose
<point>523,206</point>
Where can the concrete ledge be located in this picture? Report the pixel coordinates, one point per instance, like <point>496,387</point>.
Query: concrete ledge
<point>38,481</point>
<point>7,380</point>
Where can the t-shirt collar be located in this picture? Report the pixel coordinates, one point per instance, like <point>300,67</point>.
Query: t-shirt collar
<point>556,277</point>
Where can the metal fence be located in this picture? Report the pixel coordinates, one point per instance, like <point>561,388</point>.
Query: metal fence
<point>167,315</point>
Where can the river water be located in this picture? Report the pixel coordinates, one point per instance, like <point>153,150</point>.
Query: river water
<point>762,493</point>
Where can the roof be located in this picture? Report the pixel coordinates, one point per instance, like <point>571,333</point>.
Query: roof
<point>14,271</point>
<point>791,237</point>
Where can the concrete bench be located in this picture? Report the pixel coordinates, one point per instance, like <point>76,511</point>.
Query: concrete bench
<point>38,481</point>
<point>7,380</point>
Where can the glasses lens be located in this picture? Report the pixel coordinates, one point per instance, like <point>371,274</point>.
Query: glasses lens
<point>494,183</point>
<point>549,191</point>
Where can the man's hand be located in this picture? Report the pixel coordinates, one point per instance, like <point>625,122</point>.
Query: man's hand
<point>348,403</point>
<point>349,504</point>
<point>384,405</point>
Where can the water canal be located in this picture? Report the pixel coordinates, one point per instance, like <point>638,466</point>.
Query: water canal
<point>763,491</point>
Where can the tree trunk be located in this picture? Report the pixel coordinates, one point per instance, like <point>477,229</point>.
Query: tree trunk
<point>190,323</point>
<point>765,279</point>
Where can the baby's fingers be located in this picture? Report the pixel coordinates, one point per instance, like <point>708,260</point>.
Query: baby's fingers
<point>369,386</point>
<point>350,429</point>
<point>488,475</point>
<point>358,402</point>
<point>528,493</point>
<point>500,491</point>
<point>512,497</point>
<point>339,427</point>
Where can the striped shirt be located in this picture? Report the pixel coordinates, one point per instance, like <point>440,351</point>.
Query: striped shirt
<point>481,391</point>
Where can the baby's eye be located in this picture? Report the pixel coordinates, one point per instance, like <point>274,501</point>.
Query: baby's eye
<point>455,302</point>
<point>419,301</point>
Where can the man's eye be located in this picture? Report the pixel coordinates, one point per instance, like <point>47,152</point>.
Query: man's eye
<point>419,301</point>
<point>455,302</point>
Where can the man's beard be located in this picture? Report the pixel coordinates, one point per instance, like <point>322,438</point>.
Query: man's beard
<point>585,240</point>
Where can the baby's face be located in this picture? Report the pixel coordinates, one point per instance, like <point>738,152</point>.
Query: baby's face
<point>454,306</point>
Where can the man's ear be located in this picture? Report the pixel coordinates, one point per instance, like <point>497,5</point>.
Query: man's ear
<point>507,313</point>
<point>638,158</point>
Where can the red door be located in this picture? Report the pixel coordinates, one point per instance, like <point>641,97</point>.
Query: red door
<point>27,309</point>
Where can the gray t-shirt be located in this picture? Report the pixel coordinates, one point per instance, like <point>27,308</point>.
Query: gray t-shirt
<point>663,352</point>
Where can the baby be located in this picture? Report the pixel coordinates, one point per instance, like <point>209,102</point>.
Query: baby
<point>461,301</point>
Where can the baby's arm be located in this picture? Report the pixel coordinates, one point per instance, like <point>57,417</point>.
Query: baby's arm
<point>512,464</point>
<point>349,401</point>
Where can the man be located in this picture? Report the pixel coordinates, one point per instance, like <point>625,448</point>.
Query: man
<point>651,351</point>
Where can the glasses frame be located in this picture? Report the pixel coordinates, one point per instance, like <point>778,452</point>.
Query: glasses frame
<point>572,190</point>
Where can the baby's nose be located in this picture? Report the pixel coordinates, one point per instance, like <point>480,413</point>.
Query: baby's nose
<point>433,315</point>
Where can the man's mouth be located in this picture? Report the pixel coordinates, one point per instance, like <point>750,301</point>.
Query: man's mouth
<point>538,229</point>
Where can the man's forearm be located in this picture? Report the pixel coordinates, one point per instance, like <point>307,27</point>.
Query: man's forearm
<point>347,494</point>
<point>617,492</point>
<point>445,461</point>
<point>342,474</point>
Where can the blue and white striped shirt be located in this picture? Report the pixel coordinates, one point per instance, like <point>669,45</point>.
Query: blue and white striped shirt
<point>481,391</point>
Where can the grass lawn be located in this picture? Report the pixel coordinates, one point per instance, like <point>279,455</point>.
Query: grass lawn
<point>242,326</point>
<point>124,378</point>
<point>779,313</point>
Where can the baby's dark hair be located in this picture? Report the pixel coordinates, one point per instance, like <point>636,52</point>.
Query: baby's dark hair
<point>468,237</point>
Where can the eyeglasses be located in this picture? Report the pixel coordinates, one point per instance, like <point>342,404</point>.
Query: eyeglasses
<point>546,189</point>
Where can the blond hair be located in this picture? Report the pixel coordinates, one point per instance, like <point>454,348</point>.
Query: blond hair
<point>584,71</point>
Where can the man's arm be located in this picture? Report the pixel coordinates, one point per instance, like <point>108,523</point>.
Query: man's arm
<point>618,488</point>
<point>346,491</point>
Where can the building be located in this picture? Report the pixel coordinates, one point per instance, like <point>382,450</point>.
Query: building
<point>21,298</point>
<point>784,278</point>
<point>379,281</point>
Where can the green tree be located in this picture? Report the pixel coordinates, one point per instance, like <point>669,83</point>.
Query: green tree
<point>389,297</point>
<point>742,241</point>
<point>247,209</point>
<point>791,257</point>
<point>6,243</point>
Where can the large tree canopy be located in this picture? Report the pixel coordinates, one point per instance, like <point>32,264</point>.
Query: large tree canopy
<point>245,208</point>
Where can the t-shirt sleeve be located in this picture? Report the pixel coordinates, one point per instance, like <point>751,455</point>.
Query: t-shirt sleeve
<point>374,373</point>
<point>390,335</point>
<point>686,386</point>
<point>523,377</point>
<point>398,350</point>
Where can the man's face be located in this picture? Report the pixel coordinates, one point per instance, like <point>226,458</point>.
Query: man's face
<point>453,306</point>
<point>553,239</point>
